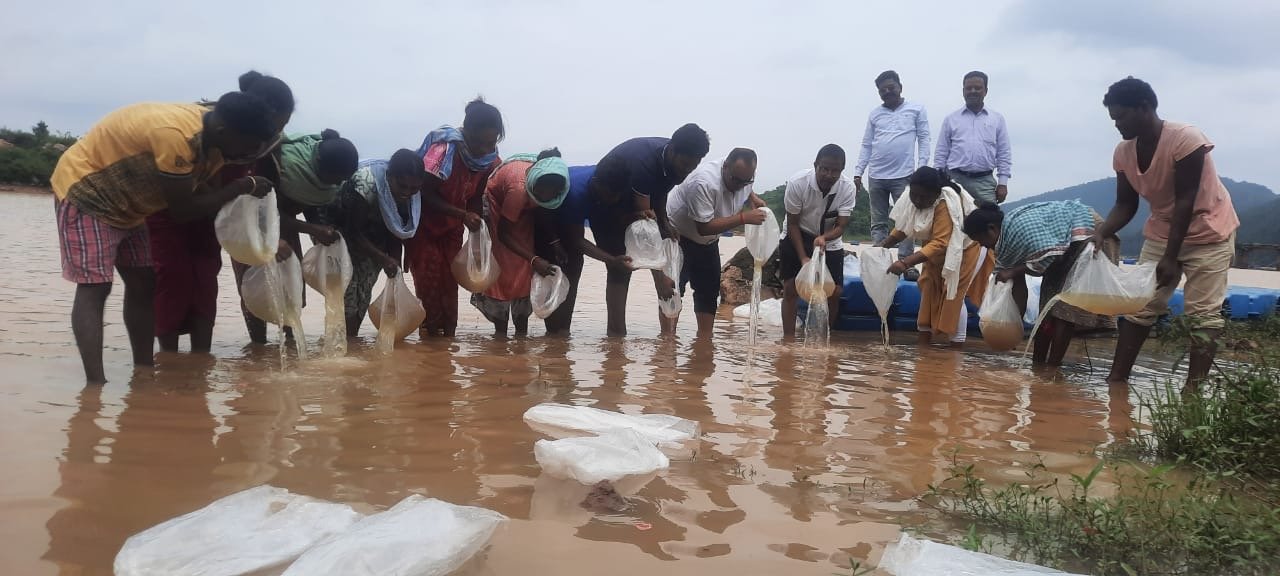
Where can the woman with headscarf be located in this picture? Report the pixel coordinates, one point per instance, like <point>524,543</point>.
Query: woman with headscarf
<point>934,219</point>
<point>458,163</point>
<point>520,194</point>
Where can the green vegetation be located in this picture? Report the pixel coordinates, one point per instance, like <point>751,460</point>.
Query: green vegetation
<point>28,158</point>
<point>859,229</point>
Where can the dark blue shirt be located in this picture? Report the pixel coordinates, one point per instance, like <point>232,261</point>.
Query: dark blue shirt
<point>649,176</point>
<point>577,204</point>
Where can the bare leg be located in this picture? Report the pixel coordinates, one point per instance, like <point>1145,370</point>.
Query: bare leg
<point>615,299</point>
<point>1063,332</point>
<point>201,335</point>
<point>706,323</point>
<point>168,342</point>
<point>140,313</point>
<point>1202,353</point>
<point>789,297</point>
<point>86,325</point>
<point>833,307</point>
<point>1128,345</point>
<point>1043,341</point>
<point>924,338</point>
<point>500,328</point>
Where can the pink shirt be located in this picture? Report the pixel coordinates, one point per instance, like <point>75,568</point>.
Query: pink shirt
<point>1214,218</point>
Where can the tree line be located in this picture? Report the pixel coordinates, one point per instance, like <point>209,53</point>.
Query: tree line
<point>27,158</point>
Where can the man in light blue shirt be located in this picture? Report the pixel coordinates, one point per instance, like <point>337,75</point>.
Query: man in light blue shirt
<point>896,132</point>
<point>973,146</point>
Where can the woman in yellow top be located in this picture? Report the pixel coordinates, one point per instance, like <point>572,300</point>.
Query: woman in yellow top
<point>934,218</point>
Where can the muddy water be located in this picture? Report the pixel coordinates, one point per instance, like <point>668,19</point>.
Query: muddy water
<point>808,457</point>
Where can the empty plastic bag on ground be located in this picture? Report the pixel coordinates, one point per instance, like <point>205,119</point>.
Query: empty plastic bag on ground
<point>249,228</point>
<point>676,437</point>
<point>814,280</point>
<point>273,292</point>
<point>244,533</point>
<point>420,536</point>
<point>327,269</point>
<point>881,286</point>
<point>1102,287</point>
<point>675,261</point>
<point>400,308</point>
<point>913,557</point>
<point>548,292</point>
<point>770,311</point>
<point>644,244</point>
<point>1001,321</point>
<point>762,239</point>
<point>474,267</point>
<point>611,456</point>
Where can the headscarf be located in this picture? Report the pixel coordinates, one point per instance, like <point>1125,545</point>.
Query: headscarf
<point>545,167</point>
<point>300,174</point>
<point>396,224</point>
<point>918,225</point>
<point>454,142</point>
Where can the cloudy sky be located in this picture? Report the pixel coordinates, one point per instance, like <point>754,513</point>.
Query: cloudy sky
<point>781,77</point>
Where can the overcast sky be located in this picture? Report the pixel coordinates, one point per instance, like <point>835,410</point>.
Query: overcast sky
<point>782,77</point>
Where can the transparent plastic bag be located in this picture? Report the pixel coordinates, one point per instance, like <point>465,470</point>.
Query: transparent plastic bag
<point>611,456</point>
<point>244,533</point>
<point>1097,285</point>
<point>401,309</point>
<point>1000,320</point>
<point>913,557</point>
<point>248,228</point>
<point>644,245</point>
<point>474,267</point>
<point>672,306</point>
<point>548,292</point>
<point>273,292</point>
<point>675,436</point>
<point>881,286</point>
<point>327,270</point>
<point>770,312</point>
<point>420,536</point>
<point>762,239</point>
<point>814,280</point>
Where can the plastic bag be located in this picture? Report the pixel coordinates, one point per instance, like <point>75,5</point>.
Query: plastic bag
<point>674,436</point>
<point>420,536</point>
<point>672,306</point>
<point>814,280</point>
<point>644,245</point>
<point>881,286</point>
<point>770,312</point>
<point>327,269</point>
<point>912,557</point>
<point>1102,287</point>
<point>249,228</point>
<point>762,239</point>
<point>611,456</point>
<point>548,292</point>
<point>244,533</point>
<point>1000,319</point>
<point>474,267</point>
<point>273,292</point>
<point>402,308</point>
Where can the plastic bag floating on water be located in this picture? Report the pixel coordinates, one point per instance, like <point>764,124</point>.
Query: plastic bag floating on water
<point>547,293</point>
<point>762,239</point>
<point>273,292</point>
<point>644,244</point>
<point>1100,286</point>
<point>244,533</point>
<point>675,262</point>
<point>418,537</point>
<point>611,456</point>
<point>1001,321</point>
<point>770,311</point>
<point>248,228</point>
<point>674,436</point>
<point>403,311</point>
<point>912,557</point>
<point>814,280</point>
<point>474,267</point>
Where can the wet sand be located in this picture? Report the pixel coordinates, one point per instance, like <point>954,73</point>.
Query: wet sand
<point>809,456</point>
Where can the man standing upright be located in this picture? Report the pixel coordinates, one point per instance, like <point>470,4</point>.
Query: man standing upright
<point>895,143</point>
<point>973,146</point>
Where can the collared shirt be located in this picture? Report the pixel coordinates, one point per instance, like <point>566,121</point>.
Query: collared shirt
<point>703,197</point>
<point>577,204</point>
<point>803,197</point>
<point>975,143</point>
<point>895,140</point>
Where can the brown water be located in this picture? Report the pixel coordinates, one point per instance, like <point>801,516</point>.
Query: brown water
<point>808,456</point>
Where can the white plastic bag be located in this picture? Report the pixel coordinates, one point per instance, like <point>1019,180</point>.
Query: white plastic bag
<point>770,311</point>
<point>327,269</point>
<point>881,286</point>
<point>403,311</point>
<point>273,292</point>
<point>474,267</point>
<point>644,244</point>
<point>249,228</point>
<point>674,436</point>
<point>418,537</point>
<point>548,292</point>
<point>814,280</point>
<point>1102,287</point>
<point>244,533</point>
<point>912,557</point>
<point>762,239</point>
<point>675,262</point>
<point>611,456</point>
<point>1000,319</point>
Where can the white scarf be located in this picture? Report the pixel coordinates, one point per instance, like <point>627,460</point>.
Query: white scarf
<point>918,225</point>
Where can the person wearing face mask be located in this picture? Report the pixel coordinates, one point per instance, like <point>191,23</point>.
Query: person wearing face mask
<point>973,145</point>
<point>522,185</point>
<point>133,163</point>
<point>458,163</point>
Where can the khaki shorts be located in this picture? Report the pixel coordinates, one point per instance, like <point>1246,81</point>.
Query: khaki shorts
<point>1205,267</point>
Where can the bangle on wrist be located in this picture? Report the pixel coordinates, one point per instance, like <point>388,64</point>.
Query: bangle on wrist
<point>742,217</point>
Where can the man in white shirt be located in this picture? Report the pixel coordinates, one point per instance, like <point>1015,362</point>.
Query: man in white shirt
<point>818,203</point>
<point>708,203</point>
<point>895,143</point>
<point>973,145</point>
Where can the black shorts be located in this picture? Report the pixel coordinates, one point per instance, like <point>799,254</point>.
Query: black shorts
<point>702,270</point>
<point>789,263</point>
<point>607,228</point>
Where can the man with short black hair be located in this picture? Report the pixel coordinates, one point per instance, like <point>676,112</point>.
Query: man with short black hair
<point>973,146</point>
<point>818,202</point>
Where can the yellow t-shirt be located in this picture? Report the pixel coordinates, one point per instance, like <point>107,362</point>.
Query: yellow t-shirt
<point>115,172</point>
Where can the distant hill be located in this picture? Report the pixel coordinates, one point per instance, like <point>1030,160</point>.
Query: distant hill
<point>859,228</point>
<point>1257,205</point>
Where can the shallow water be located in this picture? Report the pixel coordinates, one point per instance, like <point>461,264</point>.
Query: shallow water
<point>808,455</point>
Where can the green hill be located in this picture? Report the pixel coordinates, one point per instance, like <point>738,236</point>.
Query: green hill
<point>859,223</point>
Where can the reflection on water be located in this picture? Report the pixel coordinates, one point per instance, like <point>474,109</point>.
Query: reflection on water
<point>809,456</point>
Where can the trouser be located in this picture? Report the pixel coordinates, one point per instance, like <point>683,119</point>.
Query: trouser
<point>1206,267</point>
<point>982,188</point>
<point>880,191</point>
<point>560,320</point>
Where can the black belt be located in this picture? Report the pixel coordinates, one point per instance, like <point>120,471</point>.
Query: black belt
<point>972,174</point>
